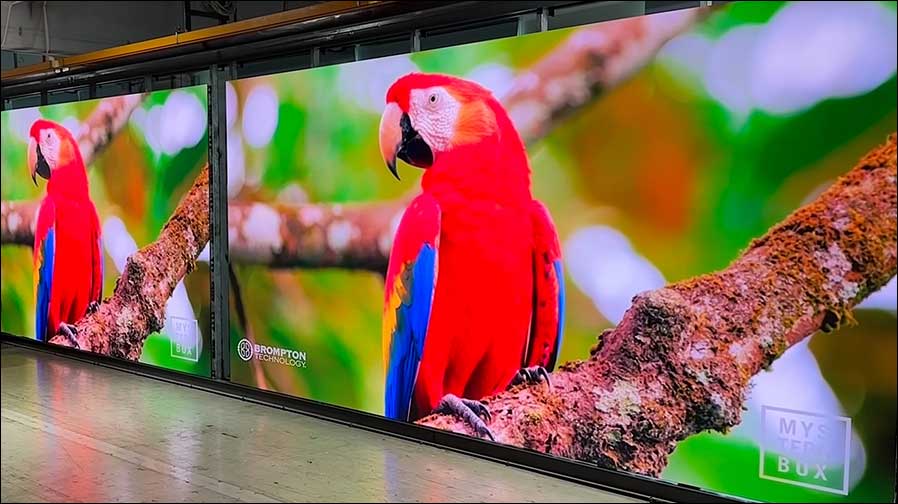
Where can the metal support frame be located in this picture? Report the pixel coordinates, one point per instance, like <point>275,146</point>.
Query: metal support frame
<point>218,263</point>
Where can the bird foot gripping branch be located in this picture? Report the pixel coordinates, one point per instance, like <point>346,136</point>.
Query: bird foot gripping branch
<point>471,412</point>
<point>532,375</point>
<point>70,332</point>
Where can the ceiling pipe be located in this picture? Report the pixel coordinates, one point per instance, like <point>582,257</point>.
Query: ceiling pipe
<point>268,36</point>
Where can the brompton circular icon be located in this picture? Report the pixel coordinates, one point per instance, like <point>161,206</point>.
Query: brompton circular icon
<point>245,350</point>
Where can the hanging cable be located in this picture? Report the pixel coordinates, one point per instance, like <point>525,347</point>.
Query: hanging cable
<point>221,8</point>
<point>46,33</point>
<point>8,17</point>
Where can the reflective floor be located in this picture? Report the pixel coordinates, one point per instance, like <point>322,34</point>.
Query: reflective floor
<point>73,431</point>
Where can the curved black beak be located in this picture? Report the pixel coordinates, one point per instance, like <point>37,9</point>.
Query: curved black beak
<point>399,139</point>
<point>391,165</point>
<point>412,148</point>
<point>40,167</point>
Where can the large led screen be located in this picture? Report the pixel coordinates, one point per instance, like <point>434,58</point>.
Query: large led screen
<point>662,245</point>
<point>105,210</point>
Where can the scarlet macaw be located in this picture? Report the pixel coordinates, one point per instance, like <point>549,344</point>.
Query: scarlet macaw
<point>474,295</point>
<point>68,261</point>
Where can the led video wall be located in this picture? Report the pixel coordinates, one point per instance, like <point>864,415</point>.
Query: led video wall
<point>105,208</point>
<point>454,238</point>
<point>656,244</point>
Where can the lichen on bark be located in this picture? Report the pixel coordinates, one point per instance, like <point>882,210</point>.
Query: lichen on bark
<point>681,359</point>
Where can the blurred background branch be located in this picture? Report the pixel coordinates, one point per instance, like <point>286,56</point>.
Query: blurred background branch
<point>307,235</point>
<point>17,220</point>
<point>681,359</point>
<point>101,126</point>
<point>261,380</point>
<point>590,62</point>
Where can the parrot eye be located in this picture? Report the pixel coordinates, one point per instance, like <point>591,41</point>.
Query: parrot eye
<point>433,98</point>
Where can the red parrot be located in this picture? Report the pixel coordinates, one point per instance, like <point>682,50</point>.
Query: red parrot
<point>474,297</point>
<point>68,261</point>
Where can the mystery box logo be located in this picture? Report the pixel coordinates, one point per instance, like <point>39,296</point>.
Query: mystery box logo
<point>806,449</point>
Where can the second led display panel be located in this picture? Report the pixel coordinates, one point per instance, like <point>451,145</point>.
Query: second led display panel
<point>88,260</point>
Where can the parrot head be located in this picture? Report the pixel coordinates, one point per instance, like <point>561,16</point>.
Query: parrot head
<point>51,147</point>
<point>429,115</point>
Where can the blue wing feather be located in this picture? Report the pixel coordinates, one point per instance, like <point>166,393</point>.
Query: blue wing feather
<point>558,338</point>
<point>407,344</point>
<point>99,256</point>
<point>44,285</point>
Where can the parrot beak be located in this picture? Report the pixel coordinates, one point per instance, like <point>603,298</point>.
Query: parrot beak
<point>390,136</point>
<point>37,164</point>
<point>399,139</point>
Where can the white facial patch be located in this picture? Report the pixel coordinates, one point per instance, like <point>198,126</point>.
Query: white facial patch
<point>49,143</point>
<point>433,113</point>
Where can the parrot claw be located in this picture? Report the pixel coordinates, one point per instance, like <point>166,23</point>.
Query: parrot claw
<point>92,307</point>
<point>69,331</point>
<point>532,375</point>
<point>472,412</point>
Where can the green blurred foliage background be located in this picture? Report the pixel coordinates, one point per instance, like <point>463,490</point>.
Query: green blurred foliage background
<point>673,159</point>
<point>139,178</point>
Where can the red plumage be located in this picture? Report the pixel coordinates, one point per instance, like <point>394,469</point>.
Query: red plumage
<point>67,247</point>
<point>496,303</point>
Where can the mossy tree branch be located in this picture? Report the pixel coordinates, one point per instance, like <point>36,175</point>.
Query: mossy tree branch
<point>681,359</point>
<point>136,308</point>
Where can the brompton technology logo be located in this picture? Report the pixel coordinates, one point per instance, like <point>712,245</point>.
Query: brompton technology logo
<point>806,449</point>
<point>247,351</point>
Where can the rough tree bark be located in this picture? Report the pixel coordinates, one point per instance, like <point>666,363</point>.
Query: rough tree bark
<point>681,359</point>
<point>18,218</point>
<point>136,308</point>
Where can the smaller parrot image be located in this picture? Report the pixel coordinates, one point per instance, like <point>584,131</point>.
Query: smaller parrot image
<point>68,260</point>
<point>474,294</point>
